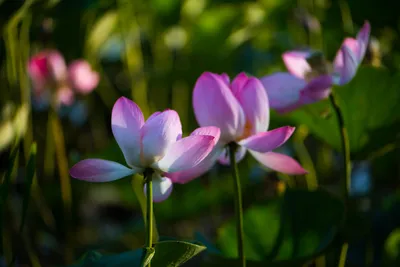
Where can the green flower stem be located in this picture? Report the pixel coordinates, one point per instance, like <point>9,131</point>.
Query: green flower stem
<point>238,204</point>
<point>137,186</point>
<point>149,214</point>
<point>345,147</point>
<point>346,182</point>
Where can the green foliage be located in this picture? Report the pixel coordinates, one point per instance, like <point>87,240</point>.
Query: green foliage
<point>392,248</point>
<point>291,229</point>
<point>30,173</point>
<point>166,254</point>
<point>370,103</point>
<point>102,30</point>
<point>13,127</point>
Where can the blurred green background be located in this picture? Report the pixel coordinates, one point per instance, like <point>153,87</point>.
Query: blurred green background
<point>152,51</point>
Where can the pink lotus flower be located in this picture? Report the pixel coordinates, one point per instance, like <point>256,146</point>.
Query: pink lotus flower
<point>309,78</point>
<point>156,144</point>
<point>82,77</point>
<point>48,71</point>
<point>240,109</point>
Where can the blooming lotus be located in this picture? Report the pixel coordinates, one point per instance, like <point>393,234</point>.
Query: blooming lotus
<point>310,78</point>
<point>156,144</point>
<point>49,72</point>
<point>240,109</point>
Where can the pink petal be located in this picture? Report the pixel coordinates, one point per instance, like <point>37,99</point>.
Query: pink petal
<point>296,62</point>
<point>224,158</point>
<point>363,40</point>
<point>162,188</point>
<point>185,153</point>
<point>354,51</point>
<point>158,134</point>
<point>209,130</point>
<point>353,45</point>
<point>319,88</point>
<point>267,141</point>
<point>225,78</point>
<point>238,83</point>
<point>279,162</point>
<point>57,66</point>
<point>215,105</point>
<point>204,166</point>
<point>283,89</point>
<point>254,101</point>
<point>65,96</point>
<point>99,170</point>
<point>82,77</point>
<point>349,68</point>
<point>152,116</point>
<point>126,121</point>
<point>38,72</point>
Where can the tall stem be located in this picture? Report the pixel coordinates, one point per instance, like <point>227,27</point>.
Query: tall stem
<point>238,203</point>
<point>346,182</point>
<point>137,185</point>
<point>149,214</point>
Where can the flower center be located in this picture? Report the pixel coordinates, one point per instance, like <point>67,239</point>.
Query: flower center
<point>247,131</point>
<point>319,66</point>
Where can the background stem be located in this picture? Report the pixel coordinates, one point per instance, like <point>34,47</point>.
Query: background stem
<point>238,203</point>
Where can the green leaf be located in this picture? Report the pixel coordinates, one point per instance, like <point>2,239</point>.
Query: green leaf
<point>30,173</point>
<point>14,127</point>
<point>166,254</point>
<point>369,104</point>
<point>290,229</point>
<point>102,30</point>
<point>148,256</point>
<point>213,27</point>
<point>392,248</point>
<point>175,253</point>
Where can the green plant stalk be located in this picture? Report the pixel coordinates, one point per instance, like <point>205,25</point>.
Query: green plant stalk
<point>149,207</point>
<point>137,185</point>
<point>238,203</point>
<point>65,181</point>
<point>346,182</point>
<point>343,253</point>
<point>344,138</point>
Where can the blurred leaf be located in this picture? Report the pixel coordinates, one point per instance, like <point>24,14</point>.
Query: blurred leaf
<point>102,30</point>
<point>6,133</point>
<point>219,261</point>
<point>211,248</point>
<point>167,254</point>
<point>14,128</point>
<point>30,173</point>
<point>392,248</point>
<point>290,229</point>
<point>369,102</point>
<point>213,28</point>
<point>175,253</point>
